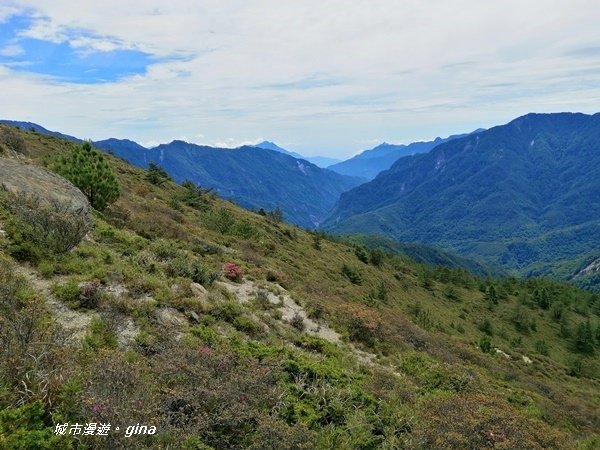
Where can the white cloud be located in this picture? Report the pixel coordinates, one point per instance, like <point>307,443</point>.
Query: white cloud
<point>11,50</point>
<point>235,143</point>
<point>326,75</point>
<point>7,11</point>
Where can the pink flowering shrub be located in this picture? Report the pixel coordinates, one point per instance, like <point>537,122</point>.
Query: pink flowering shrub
<point>90,294</point>
<point>232,271</point>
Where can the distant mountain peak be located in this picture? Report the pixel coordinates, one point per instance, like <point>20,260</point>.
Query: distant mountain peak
<point>320,161</point>
<point>483,196</point>
<point>371,162</point>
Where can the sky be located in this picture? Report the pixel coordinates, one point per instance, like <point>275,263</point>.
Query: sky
<point>321,77</point>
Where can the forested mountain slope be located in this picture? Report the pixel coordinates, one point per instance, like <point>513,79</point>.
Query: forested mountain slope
<point>524,196</point>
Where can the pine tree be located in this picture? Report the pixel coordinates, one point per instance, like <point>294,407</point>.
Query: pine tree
<point>491,296</point>
<point>156,174</point>
<point>584,338</point>
<point>89,170</point>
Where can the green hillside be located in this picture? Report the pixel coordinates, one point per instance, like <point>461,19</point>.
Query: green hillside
<point>226,329</point>
<point>253,177</point>
<point>522,196</point>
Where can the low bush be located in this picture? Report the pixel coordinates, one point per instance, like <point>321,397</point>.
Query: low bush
<point>156,174</point>
<point>297,321</point>
<point>351,273</point>
<point>232,271</point>
<point>26,427</point>
<point>69,292</point>
<point>362,254</point>
<point>100,336</point>
<point>12,140</point>
<point>227,311</point>
<point>40,229</point>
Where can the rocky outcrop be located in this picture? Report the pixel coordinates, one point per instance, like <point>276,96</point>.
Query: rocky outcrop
<point>34,182</point>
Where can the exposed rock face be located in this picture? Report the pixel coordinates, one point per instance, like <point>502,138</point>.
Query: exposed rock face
<point>32,181</point>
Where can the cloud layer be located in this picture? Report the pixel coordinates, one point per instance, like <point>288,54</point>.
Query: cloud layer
<point>320,77</point>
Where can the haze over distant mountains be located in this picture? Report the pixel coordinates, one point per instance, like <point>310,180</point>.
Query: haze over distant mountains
<point>523,196</point>
<point>321,161</point>
<point>369,163</point>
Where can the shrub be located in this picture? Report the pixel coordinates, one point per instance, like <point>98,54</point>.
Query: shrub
<point>584,338</point>
<point>156,174</point>
<point>317,238</point>
<point>485,344</point>
<point>486,327</point>
<point>90,293</point>
<point>25,428</point>
<point>273,276</point>
<point>275,216</point>
<point>379,295</point>
<point>38,229</point>
<point>297,321</point>
<point>245,229</point>
<point>376,256</point>
<point>100,336</point>
<point>351,273</point>
<point>202,275</point>
<point>361,254</point>
<point>478,421</point>
<point>228,311</point>
<point>491,295</point>
<point>32,364</point>
<point>542,347</point>
<point>89,170</point>
<point>364,326</point>
<point>12,140</point>
<point>221,220</point>
<point>166,249</point>
<point>68,292</point>
<point>556,312</point>
<point>232,271</point>
<point>247,325</point>
<point>521,320</point>
<point>86,296</point>
<point>262,301</point>
<point>194,196</point>
<point>450,293</point>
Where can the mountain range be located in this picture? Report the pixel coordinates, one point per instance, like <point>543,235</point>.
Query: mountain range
<point>263,176</point>
<point>520,197</point>
<point>523,196</point>
<point>320,161</point>
<point>252,177</point>
<point>369,163</point>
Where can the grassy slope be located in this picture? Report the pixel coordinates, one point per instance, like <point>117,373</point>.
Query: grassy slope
<point>235,386</point>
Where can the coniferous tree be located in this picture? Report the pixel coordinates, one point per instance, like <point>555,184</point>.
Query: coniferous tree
<point>584,338</point>
<point>89,170</point>
<point>156,174</point>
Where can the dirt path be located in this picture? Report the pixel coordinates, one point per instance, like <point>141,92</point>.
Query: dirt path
<point>75,323</point>
<point>247,290</point>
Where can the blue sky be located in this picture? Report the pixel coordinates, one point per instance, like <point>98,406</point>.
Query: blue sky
<point>328,78</point>
<point>61,60</point>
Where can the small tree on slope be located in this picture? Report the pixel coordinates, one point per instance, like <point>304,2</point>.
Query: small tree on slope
<point>89,170</point>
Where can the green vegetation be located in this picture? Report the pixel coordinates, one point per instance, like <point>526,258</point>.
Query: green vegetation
<point>134,325</point>
<point>89,170</point>
<point>252,177</point>
<point>521,197</point>
<point>156,174</point>
<point>40,230</point>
